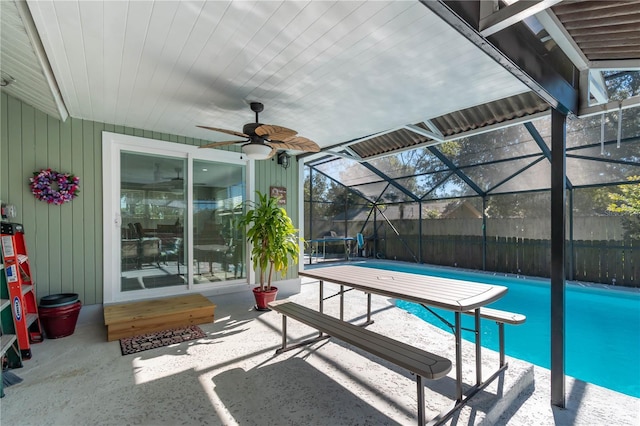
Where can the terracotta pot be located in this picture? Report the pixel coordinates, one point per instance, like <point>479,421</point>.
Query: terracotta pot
<point>264,297</point>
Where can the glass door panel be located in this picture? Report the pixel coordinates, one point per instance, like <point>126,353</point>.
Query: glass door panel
<point>218,244</point>
<point>153,200</point>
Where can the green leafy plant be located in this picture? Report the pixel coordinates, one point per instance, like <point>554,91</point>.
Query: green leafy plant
<point>273,237</point>
<point>627,203</point>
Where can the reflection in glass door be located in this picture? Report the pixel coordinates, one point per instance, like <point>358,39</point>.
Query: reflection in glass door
<point>153,200</point>
<point>218,243</point>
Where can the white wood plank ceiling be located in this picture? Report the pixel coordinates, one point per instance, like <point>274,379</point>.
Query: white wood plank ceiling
<point>22,70</point>
<point>334,71</point>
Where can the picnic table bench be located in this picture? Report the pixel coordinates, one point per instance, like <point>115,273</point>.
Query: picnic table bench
<point>501,318</point>
<point>418,361</point>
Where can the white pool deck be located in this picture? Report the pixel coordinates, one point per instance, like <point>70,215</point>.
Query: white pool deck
<point>233,377</point>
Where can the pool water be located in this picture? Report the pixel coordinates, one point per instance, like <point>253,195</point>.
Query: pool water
<point>602,343</point>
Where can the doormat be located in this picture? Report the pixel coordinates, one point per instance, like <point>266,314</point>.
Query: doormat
<point>158,339</point>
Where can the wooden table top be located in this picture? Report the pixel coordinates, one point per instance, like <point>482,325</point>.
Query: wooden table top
<point>446,293</point>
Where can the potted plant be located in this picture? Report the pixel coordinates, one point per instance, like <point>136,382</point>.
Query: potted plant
<point>274,243</point>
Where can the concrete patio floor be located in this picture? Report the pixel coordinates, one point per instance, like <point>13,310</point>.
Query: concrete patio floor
<point>233,377</point>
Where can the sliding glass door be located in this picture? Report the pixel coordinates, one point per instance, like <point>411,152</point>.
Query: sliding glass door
<point>153,203</point>
<point>174,225</point>
<point>218,243</point>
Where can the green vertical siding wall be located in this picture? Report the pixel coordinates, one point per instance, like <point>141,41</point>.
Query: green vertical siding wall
<point>65,242</point>
<point>270,173</point>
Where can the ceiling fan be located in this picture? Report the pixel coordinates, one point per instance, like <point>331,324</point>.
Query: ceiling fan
<point>166,182</point>
<point>262,141</point>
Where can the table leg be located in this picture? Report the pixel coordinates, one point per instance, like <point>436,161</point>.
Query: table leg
<point>341,302</point>
<point>501,337</point>
<point>478,347</point>
<point>460,399</point>
<point>458,331</point>
<point>284,332</point>
<point>421,418</point>
<point>321,306</point>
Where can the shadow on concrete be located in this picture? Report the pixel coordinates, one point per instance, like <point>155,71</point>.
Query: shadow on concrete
<point>275,394</point>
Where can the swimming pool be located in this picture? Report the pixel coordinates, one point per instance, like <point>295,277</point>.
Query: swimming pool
<point>602,344</point>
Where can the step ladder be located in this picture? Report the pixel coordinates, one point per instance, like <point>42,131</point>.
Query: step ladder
<point>21,287</point>
<point>9,350</point>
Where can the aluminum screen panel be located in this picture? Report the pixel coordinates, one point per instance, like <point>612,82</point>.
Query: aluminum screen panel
<point>501,144</point>
<point>536,177</point>
<point>408,163</point>
<point>451,188</point>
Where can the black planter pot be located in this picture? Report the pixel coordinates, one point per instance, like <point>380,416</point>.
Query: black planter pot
<point>55,300</point>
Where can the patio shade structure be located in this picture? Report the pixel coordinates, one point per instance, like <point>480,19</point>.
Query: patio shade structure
<point>444,71</point>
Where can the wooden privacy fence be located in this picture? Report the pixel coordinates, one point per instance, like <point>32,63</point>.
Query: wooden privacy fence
<point>608,262</point>
<point>611,262</point>
<point>458,242</point>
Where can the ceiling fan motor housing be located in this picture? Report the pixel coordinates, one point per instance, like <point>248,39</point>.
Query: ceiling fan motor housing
<point>256,106</point>
<point>250,128</point>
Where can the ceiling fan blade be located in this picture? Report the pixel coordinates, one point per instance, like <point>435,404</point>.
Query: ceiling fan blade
<point>297,143</point>
<point>272,132</point>
<point>273,152</point>
<point>215,144</point>
<point>229,132</point>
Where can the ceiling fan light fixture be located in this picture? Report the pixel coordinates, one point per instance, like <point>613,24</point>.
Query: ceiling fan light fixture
<point>256,151</point>
<point>256,134</point>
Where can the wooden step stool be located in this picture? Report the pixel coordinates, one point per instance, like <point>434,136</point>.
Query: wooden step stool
<point>131,319</point>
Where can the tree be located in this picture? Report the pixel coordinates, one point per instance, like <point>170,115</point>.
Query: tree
<point>526,205</point>
<point>622,84</point>
<point>317,182</point>
<point>627,203</point>
<point>341,198</point>
<point>592,201</point>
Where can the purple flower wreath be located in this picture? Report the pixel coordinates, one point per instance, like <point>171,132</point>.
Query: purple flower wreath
<point>54,187</point>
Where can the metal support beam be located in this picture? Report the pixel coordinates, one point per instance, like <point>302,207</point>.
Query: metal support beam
<point>512,14</point>
<point>572,252</point>
<point>584,90</point>
<point>563,39</point>
<point>434,128</point>
<point>598,87</point>
<point>311,203</point>
<point>511,176</point>
<point>391,182</point>
<point>456,170</point>
<point>558,215</point>
<point>437,137</point>
<point>375,232</point>
<point>340,183</point>
<point>484,233</point>
<point>437,185</point>
<point>420,231</point>
<point>537,137</point>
